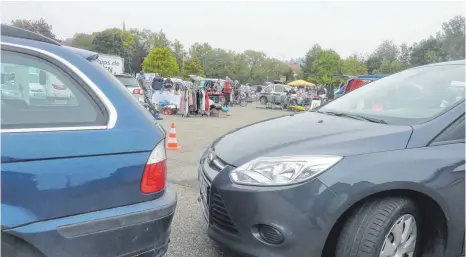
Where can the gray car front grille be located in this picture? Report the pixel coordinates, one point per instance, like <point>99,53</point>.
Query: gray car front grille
<point>218,213</point>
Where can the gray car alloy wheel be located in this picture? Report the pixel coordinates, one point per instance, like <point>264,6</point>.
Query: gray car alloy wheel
<point>401,239</point>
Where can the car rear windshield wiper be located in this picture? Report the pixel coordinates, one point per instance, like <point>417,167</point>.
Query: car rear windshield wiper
<point>357,117</point>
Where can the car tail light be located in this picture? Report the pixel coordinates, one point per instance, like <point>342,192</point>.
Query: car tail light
<point>59,87</point>
<point>137,91</point>
<point>154,177</point>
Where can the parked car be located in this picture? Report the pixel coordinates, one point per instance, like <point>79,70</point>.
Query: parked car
<point>36,90</point>
<point>8,88</point>
<point>378,172</point>
<point>132,85</point>
<point>274,93</point>
<point>56,89</point>
<point>354,82</point>
<point>78,179</point>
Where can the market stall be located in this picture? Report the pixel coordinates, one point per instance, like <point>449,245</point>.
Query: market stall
<point>203,97</point>
<point>194,99</point>
<point>158,98</point>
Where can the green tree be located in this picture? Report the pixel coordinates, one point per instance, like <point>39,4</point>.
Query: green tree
<point>452,38</point>
<point>200,51</point>
<point>271,69</point>
<point>160,61</point>
<point>82,40</point>
<point>353,66</point>
<point>387,50</point>
<point>192,66</point>
<point>253,58</point>
<point>390,67</point>
<point>289,74</point>
<point>218,63</point>
<point>373,63</point>
<point>309,59</point>
<point>405,53</point>
<point>39,26</point>
<point>427,51</point>
<point>138,51</point>
<point>160,40</point>
<point>328,62</point>
<point>109,41</point>
<point>239,67</point>
<point>179,53</point>
<point>128,38</point>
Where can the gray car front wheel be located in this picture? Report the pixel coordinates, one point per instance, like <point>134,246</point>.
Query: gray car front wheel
<point>381,227</point>
<point>263,100</point>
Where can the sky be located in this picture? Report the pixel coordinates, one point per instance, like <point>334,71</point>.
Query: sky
<point>282,30</point>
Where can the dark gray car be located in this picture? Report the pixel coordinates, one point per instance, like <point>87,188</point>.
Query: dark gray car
<point>377,172</point>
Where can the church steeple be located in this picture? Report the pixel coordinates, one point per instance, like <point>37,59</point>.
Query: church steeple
<point>124,26</point>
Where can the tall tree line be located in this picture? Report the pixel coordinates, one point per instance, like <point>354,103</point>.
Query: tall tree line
<point>151,51</point>
<point>388,58</point>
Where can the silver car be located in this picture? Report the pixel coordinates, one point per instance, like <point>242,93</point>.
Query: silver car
<point>132,85</point>
<point>274,93</point>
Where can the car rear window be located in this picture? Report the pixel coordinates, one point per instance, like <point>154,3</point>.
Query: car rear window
<point>38,94</point>
<point>128,81</point>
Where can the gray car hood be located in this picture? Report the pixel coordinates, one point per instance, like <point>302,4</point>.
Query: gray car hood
<point>309,133</point>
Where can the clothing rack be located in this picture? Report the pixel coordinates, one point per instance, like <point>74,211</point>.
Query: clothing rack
<point>194,100</point>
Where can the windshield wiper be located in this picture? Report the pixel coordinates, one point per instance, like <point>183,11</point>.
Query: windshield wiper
<point>356,117</point>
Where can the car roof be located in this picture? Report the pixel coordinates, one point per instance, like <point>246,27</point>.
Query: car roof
<point>11,31</point>
<point>456,62</point>
<point>369,77</point>
<point>11,34</point>
<point>86,54</point>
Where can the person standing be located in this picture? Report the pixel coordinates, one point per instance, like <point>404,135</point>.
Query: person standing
<point>168,83</point>
<point>227,90</point>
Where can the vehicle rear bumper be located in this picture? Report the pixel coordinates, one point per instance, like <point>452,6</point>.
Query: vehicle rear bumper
<point>142,228</point>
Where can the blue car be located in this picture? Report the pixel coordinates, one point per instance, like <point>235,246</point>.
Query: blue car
<point>84,175</point>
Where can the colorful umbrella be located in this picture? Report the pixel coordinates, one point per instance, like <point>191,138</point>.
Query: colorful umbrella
<point>301,83</point>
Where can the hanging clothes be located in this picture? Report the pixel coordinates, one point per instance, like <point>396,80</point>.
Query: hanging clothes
<point>202,101</point>
<point>190,98</point>
<point>182,102</point>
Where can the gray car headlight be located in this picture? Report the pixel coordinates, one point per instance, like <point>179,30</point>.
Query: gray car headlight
<point>277,171</point>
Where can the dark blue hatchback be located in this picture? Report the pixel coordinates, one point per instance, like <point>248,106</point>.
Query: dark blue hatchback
<point>83,164</point>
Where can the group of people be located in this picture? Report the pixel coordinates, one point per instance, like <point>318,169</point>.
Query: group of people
<point>158,83</point>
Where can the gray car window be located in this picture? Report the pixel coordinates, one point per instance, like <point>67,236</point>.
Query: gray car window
<point>454,132</point>
<point>43,96</point>
<point>278,89</point>
<point>268,89</point>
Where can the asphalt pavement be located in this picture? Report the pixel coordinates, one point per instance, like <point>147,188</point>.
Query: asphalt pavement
<point>194,134</point>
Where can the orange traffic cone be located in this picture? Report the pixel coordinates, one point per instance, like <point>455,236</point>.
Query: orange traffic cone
<point>172,144</point>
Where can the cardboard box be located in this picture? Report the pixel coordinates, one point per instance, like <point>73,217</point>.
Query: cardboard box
<point>218,114</point>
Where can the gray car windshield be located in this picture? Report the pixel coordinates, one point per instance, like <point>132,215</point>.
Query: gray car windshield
<point>406,98</point>
<point>128,81</point>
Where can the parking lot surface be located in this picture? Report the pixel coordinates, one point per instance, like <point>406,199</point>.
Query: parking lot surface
<point>194,134</point>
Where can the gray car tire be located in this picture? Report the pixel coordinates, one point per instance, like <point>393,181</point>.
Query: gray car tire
<point>263,100</point>
<point>14,247</point>
<point>366,229</point>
